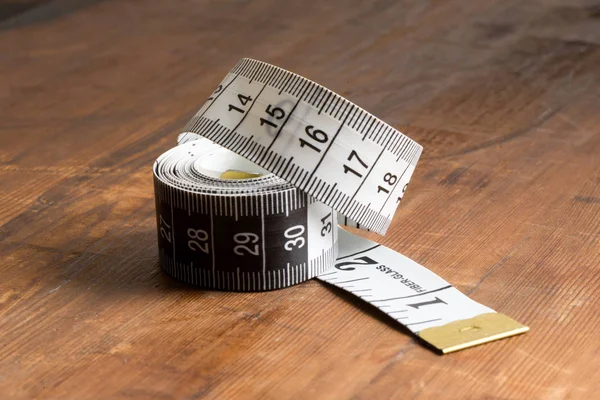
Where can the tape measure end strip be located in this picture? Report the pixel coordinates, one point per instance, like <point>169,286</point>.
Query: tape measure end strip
<point>462,334</point>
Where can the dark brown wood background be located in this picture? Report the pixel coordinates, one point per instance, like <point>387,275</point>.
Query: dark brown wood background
<point>503,94</point>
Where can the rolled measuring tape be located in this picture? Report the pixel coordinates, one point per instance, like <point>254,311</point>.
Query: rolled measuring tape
<point>251,199</point>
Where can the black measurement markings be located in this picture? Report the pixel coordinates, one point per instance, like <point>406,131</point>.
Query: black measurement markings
<point>364,136</point>
<point>255,67</point>
<point>225,138</point>
<point>336,107</point>
<point>331,192</point>
<point>369,171</point>
<point>394,188</point>
<point>329,146</point>
<point>331,105</point>
<point>402,146</point>
<point>315,95</point>
<point>283,125</point>
<point>407,151</point>
<point>348,281</point>
<point>414,295</point>
<point>289,77</point>
<point>326,102</point>
<point>362,209</point>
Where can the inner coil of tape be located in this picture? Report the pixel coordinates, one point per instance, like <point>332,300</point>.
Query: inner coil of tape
<point>248,235</point>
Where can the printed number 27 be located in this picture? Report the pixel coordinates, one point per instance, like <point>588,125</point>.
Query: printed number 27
<point>165,229</point>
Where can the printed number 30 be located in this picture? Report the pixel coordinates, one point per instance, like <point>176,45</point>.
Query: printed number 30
<point>295,235</point>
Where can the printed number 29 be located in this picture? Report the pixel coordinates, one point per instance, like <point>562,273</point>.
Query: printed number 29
<point>246,242</point>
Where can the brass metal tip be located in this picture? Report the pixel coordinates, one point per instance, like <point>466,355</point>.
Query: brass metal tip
<point>471,332</point>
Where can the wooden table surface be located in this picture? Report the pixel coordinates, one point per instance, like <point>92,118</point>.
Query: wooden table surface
<point>505,204</point>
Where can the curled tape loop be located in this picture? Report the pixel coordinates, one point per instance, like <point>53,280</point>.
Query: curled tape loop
<point>306,134</point>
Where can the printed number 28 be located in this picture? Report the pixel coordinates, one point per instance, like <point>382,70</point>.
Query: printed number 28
<point>198,240</point>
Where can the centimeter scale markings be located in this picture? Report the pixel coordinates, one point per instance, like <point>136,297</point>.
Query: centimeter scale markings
<point>251,231</point>
<point>314,140</point>
<point>331,162</point>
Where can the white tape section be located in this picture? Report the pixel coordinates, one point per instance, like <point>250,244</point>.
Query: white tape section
<point>251,198</point>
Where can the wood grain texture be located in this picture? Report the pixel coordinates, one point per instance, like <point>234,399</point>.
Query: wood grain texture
<point>505,204</point>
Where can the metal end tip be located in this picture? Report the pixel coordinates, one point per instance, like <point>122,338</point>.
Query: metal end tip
<point>471,332</point>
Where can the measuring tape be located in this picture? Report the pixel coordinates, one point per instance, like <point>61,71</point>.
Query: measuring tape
<point>265,171</point>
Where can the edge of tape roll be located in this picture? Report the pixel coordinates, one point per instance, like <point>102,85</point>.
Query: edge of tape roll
<point>251,198</point>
